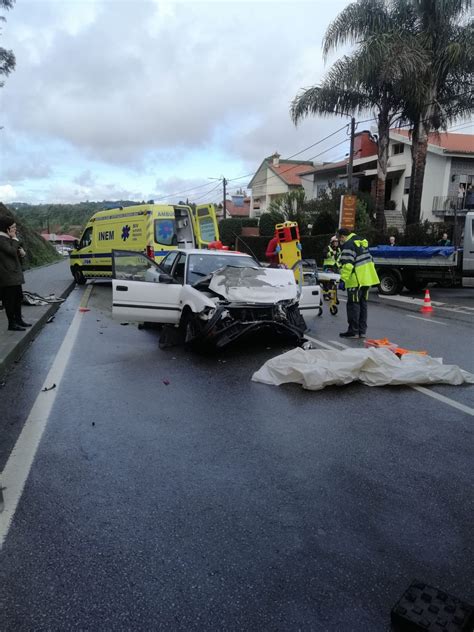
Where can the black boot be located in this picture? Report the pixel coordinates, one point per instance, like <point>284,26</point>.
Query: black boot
<point>15,327</point>
<point>22,323</point>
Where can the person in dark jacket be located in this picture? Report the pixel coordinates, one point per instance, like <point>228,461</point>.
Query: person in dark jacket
<point>11,274</point>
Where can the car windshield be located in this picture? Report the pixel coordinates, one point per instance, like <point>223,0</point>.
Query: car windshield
<point>200,266</point>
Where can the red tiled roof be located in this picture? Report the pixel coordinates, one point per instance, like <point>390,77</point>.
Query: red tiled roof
<point>55,237</point>
<point>238,211</point>
<point>290,173</point>
<point>449,141</point>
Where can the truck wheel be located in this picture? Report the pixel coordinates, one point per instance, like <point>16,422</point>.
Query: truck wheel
<point>390,283</point>
<point>79,278</point>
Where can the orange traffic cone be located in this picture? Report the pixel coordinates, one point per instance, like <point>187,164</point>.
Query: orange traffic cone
<point>427,308</point>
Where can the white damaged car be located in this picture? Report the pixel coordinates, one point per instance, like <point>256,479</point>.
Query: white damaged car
<point>212,297</point>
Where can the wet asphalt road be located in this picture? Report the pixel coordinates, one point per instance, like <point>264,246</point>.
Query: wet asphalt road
<point>214,503</point>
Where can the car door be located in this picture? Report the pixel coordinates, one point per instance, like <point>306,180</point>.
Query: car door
<point>309,301</point>
<point>142,291</point>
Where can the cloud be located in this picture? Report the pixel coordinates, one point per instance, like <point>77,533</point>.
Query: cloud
<point>148,79</point>
<point>142,92</point>
<point>7,193</point>
<point>85,179</point>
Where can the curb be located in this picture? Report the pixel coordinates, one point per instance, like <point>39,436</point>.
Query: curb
<point>19,349</point>
<point>439,312</point>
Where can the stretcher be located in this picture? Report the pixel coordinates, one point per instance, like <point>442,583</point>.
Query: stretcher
<point>329,284</point>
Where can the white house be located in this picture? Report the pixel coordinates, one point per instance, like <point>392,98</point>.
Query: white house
<point>448,175</point>
<point>273,178</point>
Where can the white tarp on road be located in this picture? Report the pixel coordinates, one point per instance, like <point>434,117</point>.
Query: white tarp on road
<point>316,369</point>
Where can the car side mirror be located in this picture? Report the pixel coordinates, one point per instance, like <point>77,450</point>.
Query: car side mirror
<point>76,244</point>
<point>165,278</point>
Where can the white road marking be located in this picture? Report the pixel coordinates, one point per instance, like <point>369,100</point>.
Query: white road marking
<point>426,319</point>
<point>420,302</point>
<point>421,389</point>
<point>17,469</point>
<point>320,343</point>
<point>338,344</point>
<point>446,400</point>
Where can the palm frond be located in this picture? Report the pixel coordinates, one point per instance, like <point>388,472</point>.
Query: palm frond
<point>356,22</point>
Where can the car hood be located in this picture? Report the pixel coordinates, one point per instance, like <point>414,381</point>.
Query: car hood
<point>254,285</point>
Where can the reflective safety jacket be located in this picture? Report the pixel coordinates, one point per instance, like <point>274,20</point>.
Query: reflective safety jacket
<point>356,264</point>
<point>332,257</point>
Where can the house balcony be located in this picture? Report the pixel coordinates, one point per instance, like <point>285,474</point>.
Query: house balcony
<point>448,205</point>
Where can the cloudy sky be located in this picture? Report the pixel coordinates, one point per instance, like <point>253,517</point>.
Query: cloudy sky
<point>132,99</point>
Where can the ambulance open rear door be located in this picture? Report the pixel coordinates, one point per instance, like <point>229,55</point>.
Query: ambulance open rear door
<point>205,225</point>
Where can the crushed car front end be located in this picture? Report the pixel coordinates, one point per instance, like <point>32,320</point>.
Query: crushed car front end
<point>271,305</point>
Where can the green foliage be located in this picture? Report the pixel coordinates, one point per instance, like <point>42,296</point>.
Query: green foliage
<point>422,234</point>
<point>267,223</point>
<point>362,222</point>
<point>292,207</point>
<point>38,251</point>
<point>312,247</point>
<point>325,223</point>
<point>249,222</point>
<point>62,216</point>
<point>229,230</point>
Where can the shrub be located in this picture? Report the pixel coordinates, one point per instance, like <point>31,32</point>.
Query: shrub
<point>267,223</point>
<point>249,222</point>
<point>312,247</point>
<point>229,230</point>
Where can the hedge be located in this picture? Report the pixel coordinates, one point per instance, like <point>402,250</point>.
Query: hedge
<point>312,247</point>
<point>230,229</point>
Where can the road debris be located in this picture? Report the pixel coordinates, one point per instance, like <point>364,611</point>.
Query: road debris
<point>48,388</point>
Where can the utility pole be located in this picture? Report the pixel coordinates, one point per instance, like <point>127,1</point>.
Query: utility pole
<point>350,164</point>
<point>224,184</point>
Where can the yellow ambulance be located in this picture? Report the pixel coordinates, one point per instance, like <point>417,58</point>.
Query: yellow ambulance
<point>154,229</point>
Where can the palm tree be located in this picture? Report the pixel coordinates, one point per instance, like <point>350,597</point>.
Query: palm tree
<point>444,83</point>
<point>371,79</point>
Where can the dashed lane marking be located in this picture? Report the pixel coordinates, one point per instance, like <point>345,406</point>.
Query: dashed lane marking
<point>421,389</point>
<point>17,469</point>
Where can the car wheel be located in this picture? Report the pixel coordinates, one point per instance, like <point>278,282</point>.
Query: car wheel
<point>79,278</point>
<point>187,327</point>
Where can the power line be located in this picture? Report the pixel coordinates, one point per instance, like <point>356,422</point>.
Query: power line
<point>168,195</point>
<point>293,155</point>
<point>217,186</point>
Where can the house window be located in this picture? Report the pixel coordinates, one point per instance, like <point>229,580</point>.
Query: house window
<point>398,148</point>
<point>406,186</point>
